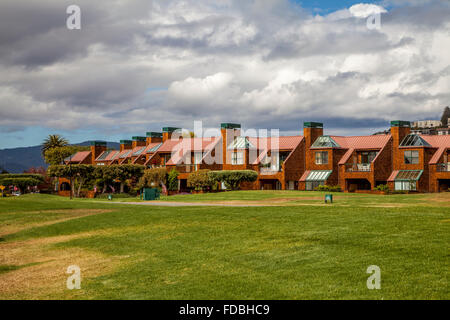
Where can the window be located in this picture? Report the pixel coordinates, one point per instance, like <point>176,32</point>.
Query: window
<point>405,185</point>
<point>198,157</point>
<point>311,185</point>
<point>367,157</point>
<point>167,158</point>
<point>322,157</point>
<point>237,158</point>
<point>411,157</point>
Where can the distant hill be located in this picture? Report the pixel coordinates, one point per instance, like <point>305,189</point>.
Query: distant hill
<point>17,160</point>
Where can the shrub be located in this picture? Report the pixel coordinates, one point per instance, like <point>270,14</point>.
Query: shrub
<point>200,180</point>
<point>172,180</point>
<point>233,178</point>
<point>382,187</point>
<point>326,188</point>
<point>153,178</point>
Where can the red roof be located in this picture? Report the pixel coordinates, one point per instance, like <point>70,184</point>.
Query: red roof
<point>442,143</point>
<point>274,143</point>
<point>360,143</point>
<point>181,148</point>
<point>79,157</point>
<point>393,175</point>
<point>192,144</point>
<point>280,143</point>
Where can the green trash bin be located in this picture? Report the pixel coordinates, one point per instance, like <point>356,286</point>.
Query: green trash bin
<point>149,194</point>
<point>329,197</point>
<point>109,197</point>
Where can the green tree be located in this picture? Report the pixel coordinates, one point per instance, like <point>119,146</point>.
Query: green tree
<point>200,180</point>
<point>233,178</point>
<point>55,156</point>
<point>53,141</point>
<point>128,171</point>
<point>77,174</point>
<point>172,180</point>
<point>445,116</point>
<point>153,177</point>
<point>22,181</point>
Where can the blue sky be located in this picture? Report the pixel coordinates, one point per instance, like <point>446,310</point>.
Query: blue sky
<point>134,67</point>
<point>327,6</point>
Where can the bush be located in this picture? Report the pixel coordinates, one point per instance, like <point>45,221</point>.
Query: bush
<point>153,178</point>
<point>200,180</point>
<point>172,180</point>
<point>326,188</point>
<point>233,178</point>
<point>382,187</point>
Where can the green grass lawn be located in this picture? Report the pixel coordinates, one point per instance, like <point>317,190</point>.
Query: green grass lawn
<point>301,249</point>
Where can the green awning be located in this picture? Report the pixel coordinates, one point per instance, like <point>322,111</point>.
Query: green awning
<point>408,175</point>
<point>318,175</point>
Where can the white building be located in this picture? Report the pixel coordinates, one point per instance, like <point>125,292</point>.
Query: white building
<point>427,124</point>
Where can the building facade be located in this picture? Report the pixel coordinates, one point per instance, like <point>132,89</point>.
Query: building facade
<point>401,159</point>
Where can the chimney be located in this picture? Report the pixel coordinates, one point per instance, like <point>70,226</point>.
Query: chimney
<point>167,133</point>
<point>138,142</point>
<point>125,145</point>
<point>311,131</point>
<point>399,130</point>
<point>154,137</point>
<point>229,132</point>
<point>97,148</point>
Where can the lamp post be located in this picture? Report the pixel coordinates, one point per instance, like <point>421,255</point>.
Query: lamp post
<point>70,175</point>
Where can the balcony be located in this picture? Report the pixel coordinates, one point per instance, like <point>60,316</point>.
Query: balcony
<point>269,170</point>
<point>443,167</point>
<point>358,167</point>
<point>187,168</point>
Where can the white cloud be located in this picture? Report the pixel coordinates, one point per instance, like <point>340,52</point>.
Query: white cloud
<point>364,10</point>
<point>264,63</point>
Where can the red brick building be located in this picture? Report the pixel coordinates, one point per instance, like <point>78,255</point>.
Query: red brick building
<point>402,160</point>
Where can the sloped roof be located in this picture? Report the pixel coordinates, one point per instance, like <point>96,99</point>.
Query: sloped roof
<point>181,147</point>
<point>78,157</point>
<point>192,144</point>
<point>361,143</point>
<point>107,155</point>
<point>280,143</point>
<point>442,143</point>
<point>274,143</point>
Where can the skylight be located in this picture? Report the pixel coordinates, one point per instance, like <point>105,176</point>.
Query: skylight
<point>325,142</point>
<point>414,140</point>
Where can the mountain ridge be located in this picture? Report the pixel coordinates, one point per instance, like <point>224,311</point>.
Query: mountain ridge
<point>17,160</point>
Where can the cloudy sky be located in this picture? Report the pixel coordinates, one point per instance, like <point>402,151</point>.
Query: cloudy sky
<point>138,65</point>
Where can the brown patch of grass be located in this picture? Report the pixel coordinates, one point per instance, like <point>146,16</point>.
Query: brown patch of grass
<point>70,215</point>
<point>42,273</point>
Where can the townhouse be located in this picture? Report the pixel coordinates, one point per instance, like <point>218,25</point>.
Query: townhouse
<point>402,160</point>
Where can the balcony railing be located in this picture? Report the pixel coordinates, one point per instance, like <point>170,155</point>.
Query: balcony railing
<point>186,168</point>
<point>269,170</point>
<point>443,167</point>
<point>357,167</point>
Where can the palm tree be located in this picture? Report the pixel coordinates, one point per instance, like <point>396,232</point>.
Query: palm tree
<point>53,141</point>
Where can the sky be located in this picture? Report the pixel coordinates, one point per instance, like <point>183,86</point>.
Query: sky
<point>138,65</point>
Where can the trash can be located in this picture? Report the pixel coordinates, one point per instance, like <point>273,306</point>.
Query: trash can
<point>109,197</point>
<point>328,197</point>
<point>150,194</point>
